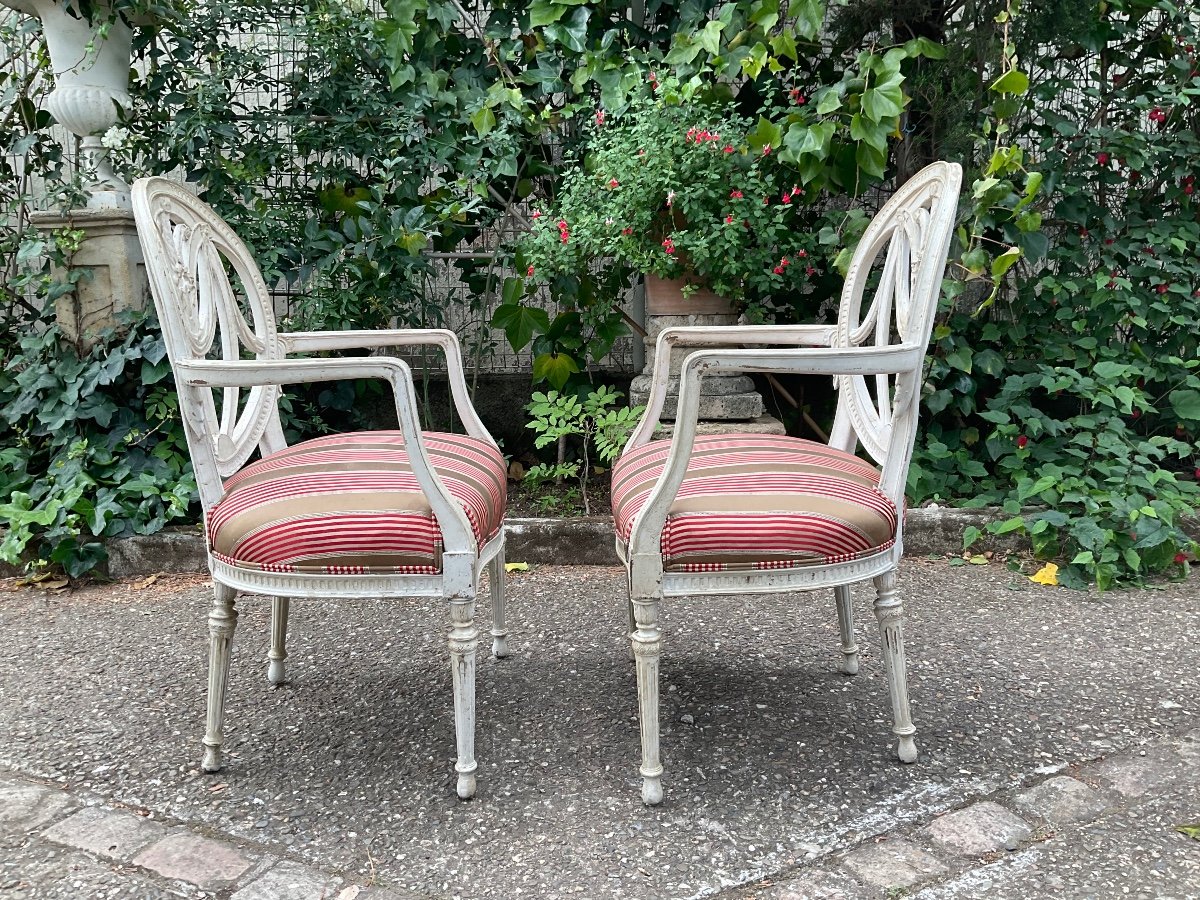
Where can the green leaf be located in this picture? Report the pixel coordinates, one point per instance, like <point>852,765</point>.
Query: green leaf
<point>829,101</point>
<point>555,368</point>
<point>884,101</point>
<point>1005,261</point>
<point>809,15</point>
<point>545,12</point>
<point>484,120</point>
<point>1012,82</point>
<point>1186,404</point>
<point>765,134</point>
<point>520,323</point>
<point>960,358</point>
<point>710,37</point>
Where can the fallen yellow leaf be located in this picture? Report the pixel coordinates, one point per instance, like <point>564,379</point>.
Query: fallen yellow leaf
<point>1047,574</point>
<point>516,567</point>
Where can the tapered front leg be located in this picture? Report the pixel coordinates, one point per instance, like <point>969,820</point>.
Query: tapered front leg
<point>496,576</point>
<point>845,611</point>
<point>647,648</point>
<point>889,610</point>
<point>464,639</point>
<point>276,673</point>
<point>222,620</point>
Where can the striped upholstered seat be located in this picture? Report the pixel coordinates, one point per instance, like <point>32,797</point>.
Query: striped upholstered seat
<point>349,504</point>
<point>759,502</point>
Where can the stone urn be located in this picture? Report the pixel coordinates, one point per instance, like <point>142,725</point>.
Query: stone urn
<point>91,90</point>
<point>728,403</point>
<point>91,87</point>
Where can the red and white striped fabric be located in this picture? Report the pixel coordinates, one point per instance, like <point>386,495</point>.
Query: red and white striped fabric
<point>349,504</point>
<point>753,501</point>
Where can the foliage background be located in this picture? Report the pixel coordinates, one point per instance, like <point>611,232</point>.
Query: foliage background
<point>1064,368</point>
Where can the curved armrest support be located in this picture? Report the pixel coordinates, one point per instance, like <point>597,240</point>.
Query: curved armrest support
<point>645,541</point>
<point>698,336</point>
<point>318,341</point>
<point>457,535</point>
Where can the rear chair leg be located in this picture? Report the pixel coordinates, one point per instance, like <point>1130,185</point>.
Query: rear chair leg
<point>889,610</point>
<point>222,620</point>
<point>845,611</point>
<point>496,576</point>
<point>276,673</point>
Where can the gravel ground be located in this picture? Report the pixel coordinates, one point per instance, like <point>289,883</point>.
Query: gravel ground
<point>773,759</point>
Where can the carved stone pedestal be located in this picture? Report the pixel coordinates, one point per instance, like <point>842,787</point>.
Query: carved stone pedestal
<point>112,252</point>
<point>728,403</point>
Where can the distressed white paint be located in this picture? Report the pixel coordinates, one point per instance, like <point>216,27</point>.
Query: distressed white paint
<point>189,250</point>
<point>886,343</point>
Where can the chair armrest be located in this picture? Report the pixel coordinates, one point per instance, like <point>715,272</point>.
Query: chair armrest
<point>645,541</point>
<point>695,336</point>
<point>457,535</point>
<point>318,341</point>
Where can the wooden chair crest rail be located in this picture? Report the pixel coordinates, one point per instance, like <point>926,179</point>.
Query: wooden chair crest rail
<point>380,514</point>
<point>744,513</point>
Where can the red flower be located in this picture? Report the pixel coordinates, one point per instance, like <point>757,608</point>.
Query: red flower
<point>599,117</point>
<point>798,98</point>
<point>1180,558</point>
<point>802,253</point>
<point>1157,115</point>
<point>778,270</point>
<point>786,198</point>
<point>1136,414</point>
<point>810,271</point>
<point>529,271</point>
<point>668,245</point>
<point>1189,188</point>
<point>626,231</point>
<point>1197,474</point>
<point>1102,159</point>
<point>727,148</point>
<point>1022,441</point>
<point>729,220</point>
<point>612,182</point>
<point>766,149</point>
<point>564,236</point>
<point>537,214</point>
<point>562,224</point>
<point>736,195</point>
<point>784,262</point>
<point>1163,288</point>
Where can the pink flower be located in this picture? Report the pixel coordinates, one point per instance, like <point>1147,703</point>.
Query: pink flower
<point>562,224</point>
<point>599,117</point>
<point>670,198</point>
<point>736,195</point>
<point>766,149</point>
<point>810,271</point>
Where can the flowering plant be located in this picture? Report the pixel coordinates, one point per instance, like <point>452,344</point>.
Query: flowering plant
<point>680,185</point>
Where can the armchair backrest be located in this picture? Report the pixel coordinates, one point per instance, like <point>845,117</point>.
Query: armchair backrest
<point>212,303</point>
<point>912,235</point>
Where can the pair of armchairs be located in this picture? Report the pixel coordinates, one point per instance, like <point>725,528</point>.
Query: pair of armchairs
<point>419,513</point>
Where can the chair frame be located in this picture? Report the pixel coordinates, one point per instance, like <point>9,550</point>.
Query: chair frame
<point>184,242</point>
<point>885,425</point>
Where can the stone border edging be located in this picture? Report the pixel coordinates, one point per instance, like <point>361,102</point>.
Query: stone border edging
<point>577,541</point>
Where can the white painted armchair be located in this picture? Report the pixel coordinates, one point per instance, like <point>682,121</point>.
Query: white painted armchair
<point>745,513</point>
<point>381,513</point>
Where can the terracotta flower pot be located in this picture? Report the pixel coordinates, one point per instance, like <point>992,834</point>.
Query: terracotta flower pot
<point>665,298</point>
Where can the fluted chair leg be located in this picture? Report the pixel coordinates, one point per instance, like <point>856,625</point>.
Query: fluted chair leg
<point>845,611</point>
<point>889,610</point>
<point>276,670</point>
<point>647,648</point>
<point>222,620</point>
<point>496,575</point>
<point>464,640</point>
